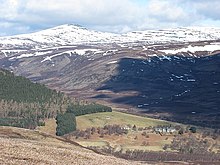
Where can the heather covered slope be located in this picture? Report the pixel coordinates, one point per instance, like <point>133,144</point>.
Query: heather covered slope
<point>178,89</point>
<point>21,146</point>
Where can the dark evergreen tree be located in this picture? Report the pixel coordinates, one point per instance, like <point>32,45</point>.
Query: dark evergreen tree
<point>79,110</point>
<point>66,123</point>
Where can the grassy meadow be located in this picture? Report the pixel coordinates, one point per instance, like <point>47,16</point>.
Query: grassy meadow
<point>110,118</point>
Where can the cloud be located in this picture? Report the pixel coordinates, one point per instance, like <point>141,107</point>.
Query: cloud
<point>107,12</point>
<point>22,16</point>
<point>208,9</point>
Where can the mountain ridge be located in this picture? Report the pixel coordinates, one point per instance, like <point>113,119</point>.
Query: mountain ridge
<point>69,34</point>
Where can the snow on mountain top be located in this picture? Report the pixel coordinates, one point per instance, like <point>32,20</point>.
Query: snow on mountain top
<point>176,35</point>
<point>60,35</point>
<point>73,34</point>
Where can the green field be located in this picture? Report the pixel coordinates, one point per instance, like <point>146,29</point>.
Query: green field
<point>105,118</point>
<point>110,118</point>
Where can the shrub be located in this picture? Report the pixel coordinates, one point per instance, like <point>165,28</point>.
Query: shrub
<point>193,129</point>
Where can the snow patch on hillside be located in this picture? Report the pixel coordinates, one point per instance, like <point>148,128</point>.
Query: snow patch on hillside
<point>80,52</point>
<point>49,58</point>
<point>112,62</point>
<point>26,55</point>
<point>84,51</point>
<point>192,49</point>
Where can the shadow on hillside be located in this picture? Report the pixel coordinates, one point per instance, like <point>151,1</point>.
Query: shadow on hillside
<point>187,89</point>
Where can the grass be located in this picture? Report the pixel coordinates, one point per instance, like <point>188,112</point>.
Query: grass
<point>105,118</point>
<point>93,143</point>
<point>22,146</point>
<point>50,127</point>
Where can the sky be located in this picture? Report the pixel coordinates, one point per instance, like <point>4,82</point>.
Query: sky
<point>118,16</point>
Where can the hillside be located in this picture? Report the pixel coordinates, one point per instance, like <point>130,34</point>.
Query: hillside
<point>20,89</point>
<point>26,104</point>
<point>21,146</point>
<point>171,74</point>
<point>178,88</point>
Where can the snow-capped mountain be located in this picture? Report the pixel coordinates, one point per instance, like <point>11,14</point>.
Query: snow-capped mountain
<point>61,35</point>
<point>69,34</point>
<point>164,72</point>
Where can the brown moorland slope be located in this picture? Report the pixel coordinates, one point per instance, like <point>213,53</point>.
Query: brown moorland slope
<point>21,146</point>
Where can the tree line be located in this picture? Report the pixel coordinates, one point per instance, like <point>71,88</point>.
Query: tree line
<point>26,104</point>
<point>79,110</point>
<point>66,122</point>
